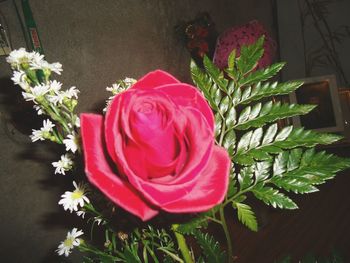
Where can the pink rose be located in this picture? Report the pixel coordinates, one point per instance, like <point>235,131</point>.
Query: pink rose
<point>154,150</point>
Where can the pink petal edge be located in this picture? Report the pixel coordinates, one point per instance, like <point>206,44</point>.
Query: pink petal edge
<point>210,190</point>
<point>154,79</point>
<point>100,173</point>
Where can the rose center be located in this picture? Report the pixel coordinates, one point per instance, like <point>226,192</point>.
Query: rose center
<point>154,146</point>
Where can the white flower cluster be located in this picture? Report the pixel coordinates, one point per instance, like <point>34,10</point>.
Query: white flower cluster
<point>117,88</point>
<point>21,59</point>
<point>32,72</point>
<point>70,242</point>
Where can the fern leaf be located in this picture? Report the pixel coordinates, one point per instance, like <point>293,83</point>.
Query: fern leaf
<point>261,75</point>
<point>265,90</point>
<point>273,197</point>
<point>245,177</point>
<point>215,74</point>
<point>287,138</point>
<point>269,112</point>
<point>203,82</point>
<point>315,168</point>
<point>199,221</point>
<point>246,216</point>
<point>210,248</point>
<point>250,55</point>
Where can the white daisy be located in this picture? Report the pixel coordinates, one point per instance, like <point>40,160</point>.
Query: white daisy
<point>44,65</point>
<point>19,79</point>
<point>35,92</point>
<point>70,242</point>
<point>72,92</point>
<point>71,143</point>
<point>55,85</point>
<point>71,200</point>
<point>56,67</point>
<point>63,165</point>
<point>57,98</point>
<point>38,109</point>
<point>43,133</point>
<point>129,81</point>
<point>17,57</point>
<point>117,88</point>
<point>81,213</point>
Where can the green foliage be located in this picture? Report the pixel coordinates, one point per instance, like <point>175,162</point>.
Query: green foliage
<point>260,114</point>
<point>246,216</point>
<point>210,247</point>
<point>199,221</point>
<point>270,160</point>
<point>257,144</point>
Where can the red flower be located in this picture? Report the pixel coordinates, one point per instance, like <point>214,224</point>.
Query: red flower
<point>155,149</point>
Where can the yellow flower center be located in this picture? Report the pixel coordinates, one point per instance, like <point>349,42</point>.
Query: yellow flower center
<point>68,242</point>
<point>77,194</point>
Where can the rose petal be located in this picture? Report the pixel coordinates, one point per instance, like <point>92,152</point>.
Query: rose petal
<point>188,96</point>
<point>200,145</point>
<point>101,175</point>
<point>154,79</point>
<point>209,190</point>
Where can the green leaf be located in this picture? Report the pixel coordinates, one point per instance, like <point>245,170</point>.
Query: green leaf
<point>317,167</point>
<point>256,138</point>
<point>245,177</point>
<point>243,159</point>
<point>250,55</point>
<point>269,112</point>
<point>287,138</point>
<point>229,141</point>
<point>231,117</point>
<point>280,163</point>
<point>262,170</point>
<point>210,248</point>
<point>243,143</point>
<point>224,104</point>
<point>199,221</point>
<point>291,184</point>
<point>307,138</point>
<point>231,60</point>
<point>259,155</point>
<point>218,124</point>
<point>260,91</point>
<point>215,74</point>
<point>284,133</point>
<point>262,74</point>
<point>246,216</point>
<point>203,82</point>
<point>270,134</point>
<point>273,197</point>
<point>236,96</point>
<point>300,171</point>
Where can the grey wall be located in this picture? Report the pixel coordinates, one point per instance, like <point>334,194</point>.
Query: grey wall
<point>291,44</point>
<point>97,42</point>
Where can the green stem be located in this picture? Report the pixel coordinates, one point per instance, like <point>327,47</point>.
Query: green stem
<point>227,234</point>
<point>181,241</point>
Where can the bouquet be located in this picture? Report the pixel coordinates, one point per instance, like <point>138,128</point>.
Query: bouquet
<point>165,158</point>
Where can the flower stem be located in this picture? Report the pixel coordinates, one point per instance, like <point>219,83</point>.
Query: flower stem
<point>227,234</point>
<point>181,241</point>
